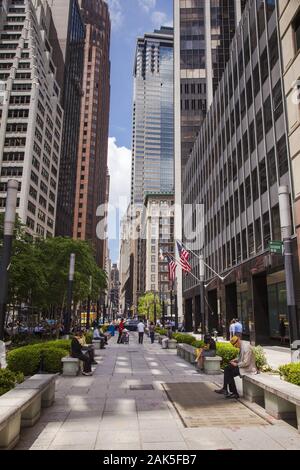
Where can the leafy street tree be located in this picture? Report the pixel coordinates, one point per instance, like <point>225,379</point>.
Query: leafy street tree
<point>39,271</point>
<point>146,306</point>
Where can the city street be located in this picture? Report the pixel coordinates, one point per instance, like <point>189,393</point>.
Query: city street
<point>124,405</point>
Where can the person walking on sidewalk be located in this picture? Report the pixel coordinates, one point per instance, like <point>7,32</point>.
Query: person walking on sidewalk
<point>141,331</point>
<point>244,364</point>
<point>121,328</point>
<point>238,328</point>
<point>152,332</point>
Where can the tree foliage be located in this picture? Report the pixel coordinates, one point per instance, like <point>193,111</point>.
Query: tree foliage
<point>147,304</point>
<point>38,274</point>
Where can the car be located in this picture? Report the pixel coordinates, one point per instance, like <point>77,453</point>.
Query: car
<point>131,325</point>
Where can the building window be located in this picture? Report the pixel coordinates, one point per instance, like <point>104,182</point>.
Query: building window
<point>263,177</point>
<point>272,172</point>
<point>282,156</point>
<point>296,28</point>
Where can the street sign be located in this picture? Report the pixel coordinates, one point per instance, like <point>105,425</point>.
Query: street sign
<point>276,247</point>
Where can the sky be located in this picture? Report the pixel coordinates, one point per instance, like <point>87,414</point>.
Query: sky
<point>130,19</point>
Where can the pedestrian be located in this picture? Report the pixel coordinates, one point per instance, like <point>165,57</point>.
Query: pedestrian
<point>244,364</point>
<point>282,330</point>
<point>152,332</point>
<point>76,351</point>
<point>97,335</point>
<point>238,328</point>
<point>232,328</point>
<point>121,328</point>
<point>141,331</point>
<point>209,350</point>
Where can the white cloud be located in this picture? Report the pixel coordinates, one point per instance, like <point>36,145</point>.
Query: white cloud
<point>159,18</point>
<point>116,13</point>
<point>119,164</point>
<point>147,5</point>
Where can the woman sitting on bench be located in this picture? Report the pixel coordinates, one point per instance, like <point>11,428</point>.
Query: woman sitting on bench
<point>209,350</point>
<point>76,351</point>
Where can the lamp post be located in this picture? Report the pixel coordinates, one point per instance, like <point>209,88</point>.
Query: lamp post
<point>70,295</point>
<point>286,231</point>
<point>89,305</point>
<point>9,224</point>
<point>202,294</point>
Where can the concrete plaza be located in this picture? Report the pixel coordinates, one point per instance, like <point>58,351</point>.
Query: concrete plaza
<point>124,406</point>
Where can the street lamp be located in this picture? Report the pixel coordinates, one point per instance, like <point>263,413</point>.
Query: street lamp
<point>69,295</point>
<point>286,231</point>
<point>9,224</point>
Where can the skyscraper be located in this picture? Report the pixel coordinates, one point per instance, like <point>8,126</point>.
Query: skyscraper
<point>153,124</point>
<point>203,30</point>
<point>30,113</point>
<point>91,185</point>
<point>67,39</point>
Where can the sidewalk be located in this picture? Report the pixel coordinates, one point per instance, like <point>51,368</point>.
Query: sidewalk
<point>124,406</point>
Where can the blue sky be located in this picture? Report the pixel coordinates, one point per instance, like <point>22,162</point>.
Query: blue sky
<point>130,18</point>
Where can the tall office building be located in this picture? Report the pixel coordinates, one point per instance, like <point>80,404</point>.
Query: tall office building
<point>91,185</point>
<point>203,30</point>
<point>239,160</point>
<point>67,39</point>
<point>153,124</point>
<point>289,21</point>
<point>30,113</point>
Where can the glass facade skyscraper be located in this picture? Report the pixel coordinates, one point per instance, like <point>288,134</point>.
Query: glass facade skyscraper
<point>153,122</point>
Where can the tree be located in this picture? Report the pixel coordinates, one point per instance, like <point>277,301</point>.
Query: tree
<point>39,270</point>
<point>146,306</point>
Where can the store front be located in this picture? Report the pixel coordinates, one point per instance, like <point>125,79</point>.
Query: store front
<point>277,304</point>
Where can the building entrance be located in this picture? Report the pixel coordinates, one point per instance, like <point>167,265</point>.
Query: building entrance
<point>231,305</point>
<point>189,315</point>
<point>212,308</point>
<point>261,309</point>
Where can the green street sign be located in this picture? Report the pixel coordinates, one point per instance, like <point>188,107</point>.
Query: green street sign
<point>276,247</point>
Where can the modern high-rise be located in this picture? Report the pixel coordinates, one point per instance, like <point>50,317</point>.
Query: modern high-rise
<point>31,117</point>
<point>91,184</point>
<point>67,39</point>
<point>159,239</point>
<point>239,160</point>
<point>153,123</point>
<point>203,30</point>
<point>289,21</point>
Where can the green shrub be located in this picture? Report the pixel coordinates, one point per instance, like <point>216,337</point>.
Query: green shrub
<point>161,331</point>
<point>60,343</point>
<point>197,344</point>
<point>291,373</point>
<point>105,327</point>
<point>52,359</point>
<point>89,337</point>
<point>184,338</point>
<point>27,359</point>
<point>260,358</point>
<point>227,352</point>
<point>8,380</point>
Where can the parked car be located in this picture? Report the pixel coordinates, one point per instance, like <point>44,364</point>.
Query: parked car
<point>131,325</point>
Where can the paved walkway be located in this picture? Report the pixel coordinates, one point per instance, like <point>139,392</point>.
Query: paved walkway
<point>111,411</point>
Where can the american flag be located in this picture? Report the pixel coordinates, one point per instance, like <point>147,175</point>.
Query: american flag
<point>184,257</point>
<point>172,268</point>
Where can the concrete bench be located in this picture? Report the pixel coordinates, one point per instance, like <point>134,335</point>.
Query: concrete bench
<point>71,366</point>
<point>172,344</point>
<point>212,365</point>
<point>98,344</point>
<point>280,399</point>
<point>187,352</point>
<point>21,407</point>
<point>161,337</point>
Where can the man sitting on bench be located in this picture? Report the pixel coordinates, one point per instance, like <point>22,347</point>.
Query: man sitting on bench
<point>245,363</point>
<point>99,336</point>
<point>76,351</point>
